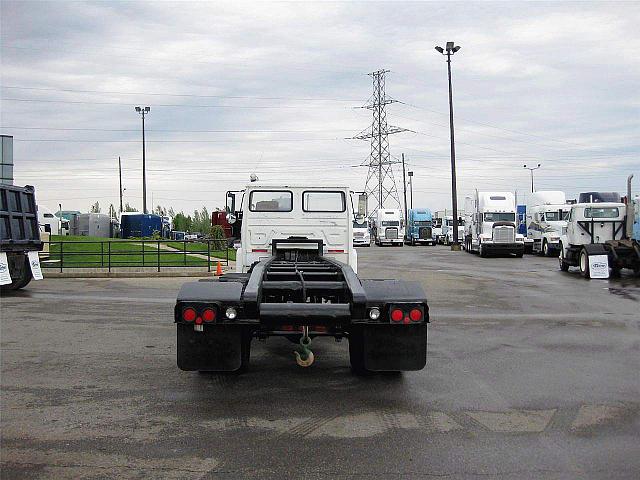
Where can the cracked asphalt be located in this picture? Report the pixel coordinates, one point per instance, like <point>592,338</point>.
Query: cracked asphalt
<point>531,373</point>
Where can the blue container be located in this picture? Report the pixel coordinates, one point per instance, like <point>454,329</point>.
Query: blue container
<point>140,225</point>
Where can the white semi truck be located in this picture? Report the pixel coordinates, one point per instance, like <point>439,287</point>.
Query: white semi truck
<point>388,228</point>
<point>361,234</point>
<point>547,213</point>
<point>296,278</point>
<point>603,229</point>
<point>447,230</point>
<point>490,226</point>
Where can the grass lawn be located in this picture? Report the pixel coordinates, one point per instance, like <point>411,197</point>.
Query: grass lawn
<point>201,248</point>
<point>80,251</point>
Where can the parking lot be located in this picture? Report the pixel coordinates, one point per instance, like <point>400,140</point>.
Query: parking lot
<point>531,373</point>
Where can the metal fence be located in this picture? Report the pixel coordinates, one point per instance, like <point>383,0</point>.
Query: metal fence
<point>61,254</point>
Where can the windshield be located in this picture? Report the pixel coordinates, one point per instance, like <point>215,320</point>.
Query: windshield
<point>422,223</point>
<point>390,223</point>
<point>363,224</point>
<point>555,216</point>
<point>611,212</point>
<point>499,217</point>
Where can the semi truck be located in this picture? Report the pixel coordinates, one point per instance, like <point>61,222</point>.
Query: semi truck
<point>361,234</point>
<point>419,229</point>
<point>388,228</point>
<point>447,229</point>
<point>19,237</point>
<point>490,226</point>
<point>546,219</point>
<point>600,235</point>
<point>296,277</point>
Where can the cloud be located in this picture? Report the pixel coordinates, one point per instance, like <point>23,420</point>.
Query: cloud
<point>236,88</point>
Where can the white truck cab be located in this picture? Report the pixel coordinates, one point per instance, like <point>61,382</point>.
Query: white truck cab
<point>589,223</point>
<point>490,226</point>
<point>361,234</point>
<point>295,212</point>
<point>447,229</point>
<point>389,227</point>
<point>547,213</point>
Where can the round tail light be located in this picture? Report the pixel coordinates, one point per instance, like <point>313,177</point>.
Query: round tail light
<point>416,315</point>
<point>209,315</point>
<point>396,315</point>
<point>189,314</point>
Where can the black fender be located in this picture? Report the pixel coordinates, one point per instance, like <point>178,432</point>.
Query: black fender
<point>595,249</point>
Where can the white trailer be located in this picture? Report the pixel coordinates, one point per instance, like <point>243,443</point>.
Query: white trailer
<point>490,226</point>
<point>388,227</point>
<point>547,213</point>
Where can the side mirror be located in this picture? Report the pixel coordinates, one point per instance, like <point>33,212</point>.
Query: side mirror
<point>230,204</point>
<point>362,205</point>
<point>231,218</point>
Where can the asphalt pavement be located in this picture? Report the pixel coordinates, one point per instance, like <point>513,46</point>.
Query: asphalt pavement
<point>531,373</point>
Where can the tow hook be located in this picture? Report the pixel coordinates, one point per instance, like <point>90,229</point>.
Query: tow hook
<point>304,355</point>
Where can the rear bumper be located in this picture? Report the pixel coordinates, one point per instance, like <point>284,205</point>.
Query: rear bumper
<point>361,241</point>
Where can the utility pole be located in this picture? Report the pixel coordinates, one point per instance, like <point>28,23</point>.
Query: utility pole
<point>380,183</point>
<point>411,187</point>
<point>451,49</point>
<point>404,184</point>
<point>143,111</point>
<point>120,177</point>
<point>531,169</point>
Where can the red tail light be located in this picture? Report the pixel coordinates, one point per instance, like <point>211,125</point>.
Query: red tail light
<point>335,251</point>
<point>396,315</point>
<point>189,314</point>
<point>259,250</point>
<point>416,315</point>
<point>208,315</point>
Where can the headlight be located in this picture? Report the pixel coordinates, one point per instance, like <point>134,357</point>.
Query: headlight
<point>374,313</point>
<point>231,313</point>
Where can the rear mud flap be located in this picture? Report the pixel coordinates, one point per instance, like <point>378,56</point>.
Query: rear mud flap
<point>393,347</point>
<point>218,348</point>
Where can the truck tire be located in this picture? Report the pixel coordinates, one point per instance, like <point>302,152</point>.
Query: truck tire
<point>482,251</point>
<point>545,248</point>
<point>20,282</point>
<point>584,263</point>
<point>564,266</point>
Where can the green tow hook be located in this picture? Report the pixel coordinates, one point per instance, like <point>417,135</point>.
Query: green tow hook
<point>304,355</point>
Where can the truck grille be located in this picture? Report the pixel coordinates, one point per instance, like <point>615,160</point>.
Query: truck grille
<point>425,233</point>
<point>359,234</point>
<point>504,235</point>
<point>391,233</point>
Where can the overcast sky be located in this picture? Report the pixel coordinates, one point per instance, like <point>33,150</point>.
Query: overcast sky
<point>274,89</point>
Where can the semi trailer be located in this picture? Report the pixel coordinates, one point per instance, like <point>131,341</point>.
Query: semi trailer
<point>490,226</point>
<point>296,277</point>
<point>19,237</point>
<point>599,235</point>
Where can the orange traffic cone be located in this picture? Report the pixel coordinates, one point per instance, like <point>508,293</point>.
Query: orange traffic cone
<point>218,269</point>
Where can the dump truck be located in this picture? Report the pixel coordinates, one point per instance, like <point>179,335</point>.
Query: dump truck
<point>599,236</point>
<point>296,277</point>
<point>19,237</point>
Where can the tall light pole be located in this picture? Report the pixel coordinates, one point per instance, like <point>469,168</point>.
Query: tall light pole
<point>404,183</point>
<point>143,111</point>
<point>411,187</point>
<point>120,177</point>
<point>450,50</point>
<point>531,169</point>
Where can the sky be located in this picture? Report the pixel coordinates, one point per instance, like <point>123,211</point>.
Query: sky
<point>277,89</point>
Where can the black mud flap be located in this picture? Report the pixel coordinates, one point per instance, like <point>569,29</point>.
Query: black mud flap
<point>393,347</point>
<point>218,348</point>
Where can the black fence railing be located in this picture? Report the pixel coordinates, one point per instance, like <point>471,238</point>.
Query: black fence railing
<point>112,253</point>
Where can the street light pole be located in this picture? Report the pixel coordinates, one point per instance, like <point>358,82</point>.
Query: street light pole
<point>143,111</point>
<point>404,184</point>
<point>531,169</point>
<point>120,177</point>
<point>450,50</point>
<point>411,187</point>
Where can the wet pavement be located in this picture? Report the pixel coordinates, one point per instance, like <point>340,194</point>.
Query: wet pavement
<point>531,373</point>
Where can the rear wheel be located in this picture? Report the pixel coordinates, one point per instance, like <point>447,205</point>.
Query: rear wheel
<point>584,263</point>
<point>482,251</point>
<point>24,276</point>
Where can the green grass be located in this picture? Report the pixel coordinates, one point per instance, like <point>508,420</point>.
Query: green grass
<point>79,251</point>
<point>201,248</point>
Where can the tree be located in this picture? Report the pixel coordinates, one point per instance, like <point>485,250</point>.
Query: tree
<point>112,211</point>
<point>160,211</point>
<point>129,208</point>
<point>95,208</point>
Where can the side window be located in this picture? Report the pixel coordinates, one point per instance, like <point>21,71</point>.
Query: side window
<point>271,201</point>
<point>323,201</point>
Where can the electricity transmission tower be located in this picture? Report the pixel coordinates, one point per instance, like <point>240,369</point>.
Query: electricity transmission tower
<point>381,182</point>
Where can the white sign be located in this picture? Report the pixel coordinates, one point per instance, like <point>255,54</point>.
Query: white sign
<point>5,276</point>
<point>599,266</point>
<point>34,262</point>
